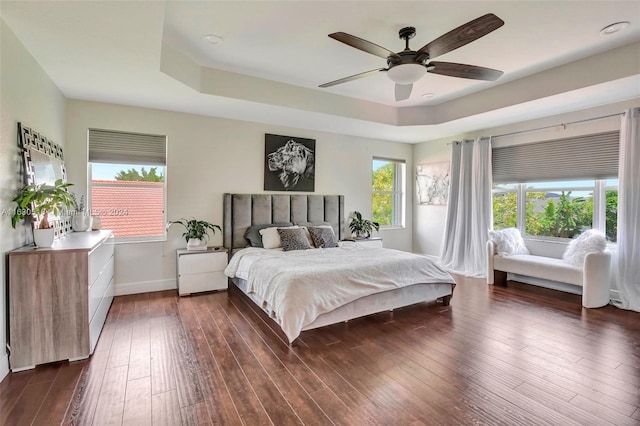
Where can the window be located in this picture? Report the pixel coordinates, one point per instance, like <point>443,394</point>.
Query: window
<point>388,195</point>
<point>557,209</point>
<point>564,186</point>
<point>127,183</point>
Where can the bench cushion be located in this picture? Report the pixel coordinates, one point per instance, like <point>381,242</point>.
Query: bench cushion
<point>540,267</point>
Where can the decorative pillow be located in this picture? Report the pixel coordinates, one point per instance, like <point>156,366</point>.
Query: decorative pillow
<point>508,242</point>
<point>590,241</point>
<point>271,237</point>
<point>253,232</point>
<point>293,239</point>
<point>323,236</point>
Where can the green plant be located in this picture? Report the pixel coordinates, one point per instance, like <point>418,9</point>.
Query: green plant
<point>362,227</point>
<point>37,201</point>
<point>196,229</point>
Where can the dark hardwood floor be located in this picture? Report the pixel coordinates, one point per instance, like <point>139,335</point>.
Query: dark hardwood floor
<point>515,355</point>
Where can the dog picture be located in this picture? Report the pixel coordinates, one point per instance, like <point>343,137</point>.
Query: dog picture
<point>289,163</point>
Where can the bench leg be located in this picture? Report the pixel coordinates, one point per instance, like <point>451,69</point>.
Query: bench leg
<point>446,300</point>
<point>500,278</point>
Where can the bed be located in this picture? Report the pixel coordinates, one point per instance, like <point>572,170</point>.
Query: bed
<point>306,289</point>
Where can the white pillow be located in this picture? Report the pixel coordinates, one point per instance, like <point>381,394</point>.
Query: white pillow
<point>271,237</point>
<point>508,242</point>
<point>590,241</point>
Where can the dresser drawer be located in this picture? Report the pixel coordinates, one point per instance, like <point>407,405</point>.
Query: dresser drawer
<point>99,286</point>
<point>202,262</point>
<point>99,258</point>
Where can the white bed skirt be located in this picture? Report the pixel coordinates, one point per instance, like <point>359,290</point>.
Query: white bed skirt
<point>374,303</point>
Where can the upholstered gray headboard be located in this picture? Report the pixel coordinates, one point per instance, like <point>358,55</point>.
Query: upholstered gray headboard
<point>244,210</point>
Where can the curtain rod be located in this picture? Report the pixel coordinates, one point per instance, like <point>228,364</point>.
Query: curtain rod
<point>564,125</point>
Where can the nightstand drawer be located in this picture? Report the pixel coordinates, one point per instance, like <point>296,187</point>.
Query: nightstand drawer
<point>194,283</point>
<point>201,262</point>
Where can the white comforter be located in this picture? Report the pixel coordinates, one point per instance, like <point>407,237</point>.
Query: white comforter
<point>298,286</point>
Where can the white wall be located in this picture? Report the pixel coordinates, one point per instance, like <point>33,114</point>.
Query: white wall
<point>27,95</point>
<point>429,220</point>
<point>210,156</point>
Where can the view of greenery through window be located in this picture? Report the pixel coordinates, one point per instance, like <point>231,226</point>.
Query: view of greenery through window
<point>140,176</point>
<point>554,213</point>
<point>382,204</point>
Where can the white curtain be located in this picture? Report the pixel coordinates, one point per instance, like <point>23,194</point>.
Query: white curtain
<point>469,210</point>
<point>628,256</point>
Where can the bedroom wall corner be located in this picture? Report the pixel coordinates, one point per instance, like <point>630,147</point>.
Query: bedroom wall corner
<point>428,220</point>
<point>27,95</point>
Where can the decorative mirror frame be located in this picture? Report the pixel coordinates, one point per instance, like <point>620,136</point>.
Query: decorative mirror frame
<point>29,141</point>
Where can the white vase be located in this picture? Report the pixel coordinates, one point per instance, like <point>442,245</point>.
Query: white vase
<point>80,222</point>
<point>44,237</point>
<point>194,244</point>
<point>96,223</point>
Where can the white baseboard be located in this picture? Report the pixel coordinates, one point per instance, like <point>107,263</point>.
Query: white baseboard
<point>145,287</point>
<point>4,367</point>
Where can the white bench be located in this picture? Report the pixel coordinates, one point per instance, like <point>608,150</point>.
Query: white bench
<point>593,277</point>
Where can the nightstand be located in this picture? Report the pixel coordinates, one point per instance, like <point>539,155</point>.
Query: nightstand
<point>201,270</point>
<point>373,242</point>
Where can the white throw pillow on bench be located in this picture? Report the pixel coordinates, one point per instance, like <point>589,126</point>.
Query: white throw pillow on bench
<point>590,241</point>
<point>508,242</point>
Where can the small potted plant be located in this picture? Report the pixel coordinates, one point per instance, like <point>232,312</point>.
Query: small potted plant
<point>80,220</point>
<point>196,232</point>
<point>362,228</point>
<point>36,202</point>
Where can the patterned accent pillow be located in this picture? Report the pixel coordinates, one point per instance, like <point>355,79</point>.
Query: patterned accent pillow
<point>293,239</point>
<point>323,237</point>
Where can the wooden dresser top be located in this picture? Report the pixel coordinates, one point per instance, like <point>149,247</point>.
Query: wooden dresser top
<point>74,241</point>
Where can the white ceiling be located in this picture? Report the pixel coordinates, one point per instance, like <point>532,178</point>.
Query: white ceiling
<point>275,54</point>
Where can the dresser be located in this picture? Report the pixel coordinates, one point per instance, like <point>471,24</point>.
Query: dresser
<point>201,270</point>
<point>59,298</point>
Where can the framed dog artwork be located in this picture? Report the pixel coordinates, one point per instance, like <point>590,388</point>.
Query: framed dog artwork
<point>289,163</point>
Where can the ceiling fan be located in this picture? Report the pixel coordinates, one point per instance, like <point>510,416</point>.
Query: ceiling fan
<point>409,66</point>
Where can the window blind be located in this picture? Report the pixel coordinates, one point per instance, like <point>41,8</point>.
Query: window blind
<point>392,160</point>
<point>110,146</point>
<point>593,156</point>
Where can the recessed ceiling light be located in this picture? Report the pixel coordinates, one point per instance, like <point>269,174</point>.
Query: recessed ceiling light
<point>212,38</point>
<point>614,28</point>
<point>428,95</point>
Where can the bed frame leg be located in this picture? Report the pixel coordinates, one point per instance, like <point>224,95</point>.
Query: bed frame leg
<point>446,300</point>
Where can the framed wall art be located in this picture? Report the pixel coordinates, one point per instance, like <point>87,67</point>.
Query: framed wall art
<point>289,163</point>
<point>432,183</point>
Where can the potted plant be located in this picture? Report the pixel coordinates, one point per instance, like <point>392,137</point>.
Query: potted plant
<point>37,201</point>
<point>196,232</point>
<point>80,221</point>
<point>362,228</point>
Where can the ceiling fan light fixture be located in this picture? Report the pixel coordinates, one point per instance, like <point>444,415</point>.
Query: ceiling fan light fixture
<point>406,73</point>
<point>614,28</point>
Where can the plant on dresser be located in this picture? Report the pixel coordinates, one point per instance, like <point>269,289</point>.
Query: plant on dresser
<point>196,232</point>
<point>36,202</point>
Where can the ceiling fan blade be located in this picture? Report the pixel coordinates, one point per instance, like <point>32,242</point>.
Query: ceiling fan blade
<point>363,45</point>
<point>352,77</point>
<point>464,71</point>
<point>460,36</point>
<point>403,91</point>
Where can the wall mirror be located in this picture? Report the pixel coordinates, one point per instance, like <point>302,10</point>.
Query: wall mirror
<point>43,164</point>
